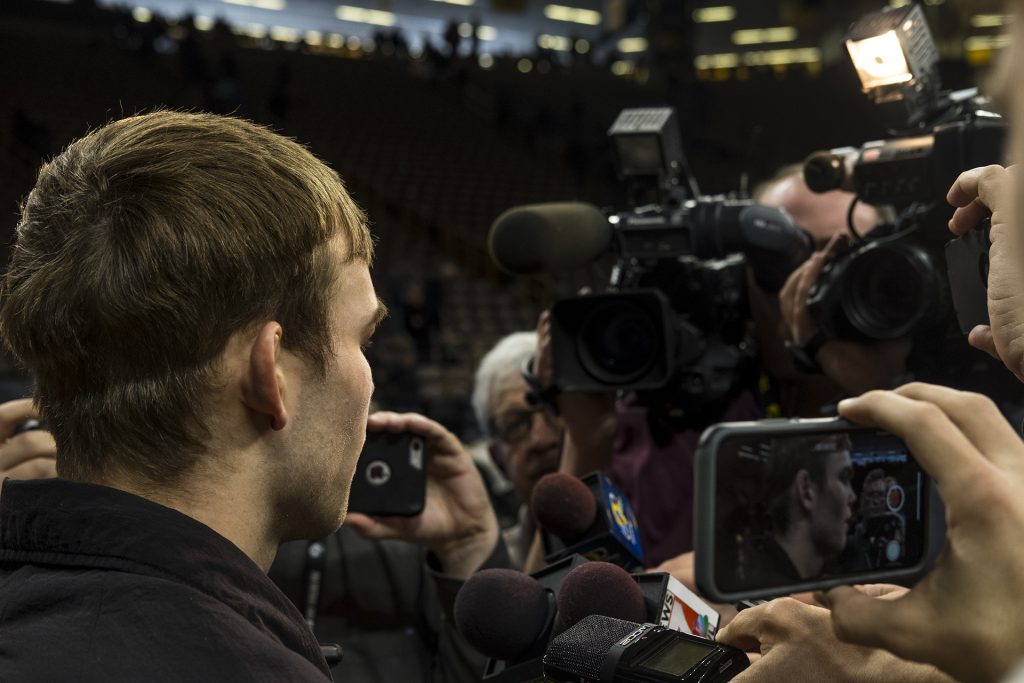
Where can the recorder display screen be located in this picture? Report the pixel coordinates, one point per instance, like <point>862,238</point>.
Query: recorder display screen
<point>816,506</point>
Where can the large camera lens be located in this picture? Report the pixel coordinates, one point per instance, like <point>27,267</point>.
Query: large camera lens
<point>618,342</point>
<point>888,290</point>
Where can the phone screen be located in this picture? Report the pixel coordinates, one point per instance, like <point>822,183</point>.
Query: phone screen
<point>807,507</point>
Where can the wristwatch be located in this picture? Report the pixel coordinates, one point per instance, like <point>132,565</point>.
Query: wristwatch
<point>805,357</point>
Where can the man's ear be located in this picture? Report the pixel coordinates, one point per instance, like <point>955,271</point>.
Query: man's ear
<point>806,491</point>
<point>263,384</point>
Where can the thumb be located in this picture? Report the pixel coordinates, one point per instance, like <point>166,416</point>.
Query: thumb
<point>865,620</point>
<point>981,338</point>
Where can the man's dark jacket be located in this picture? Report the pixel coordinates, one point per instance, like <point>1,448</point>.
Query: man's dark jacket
<point>100,585</point>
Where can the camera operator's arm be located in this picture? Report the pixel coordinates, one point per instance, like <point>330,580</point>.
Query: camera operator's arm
<point>964,617</point>
<point>29,455</point>
<point>797,646</point>
<point>854,366</point>
<point>977,194</point>
<point>458,524</point>
<point>589,417</point>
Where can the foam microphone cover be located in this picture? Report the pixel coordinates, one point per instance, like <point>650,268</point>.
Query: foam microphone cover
<point>563,505</point>
<point>553,237</point>
<point>501,612</point>
<point>599,588</point>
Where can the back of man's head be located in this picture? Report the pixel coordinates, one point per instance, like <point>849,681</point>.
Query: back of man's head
<point>141,250</point>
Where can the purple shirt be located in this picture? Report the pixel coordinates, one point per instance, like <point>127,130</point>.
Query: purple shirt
<point>658,480</point>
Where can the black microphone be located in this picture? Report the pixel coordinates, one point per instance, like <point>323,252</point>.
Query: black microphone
<point>552,237</point>
<point>510,616</point>
<point>589,517</point>
<point>604,650</point>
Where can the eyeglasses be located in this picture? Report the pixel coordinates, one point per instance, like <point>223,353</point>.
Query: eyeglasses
<point>514,426</point>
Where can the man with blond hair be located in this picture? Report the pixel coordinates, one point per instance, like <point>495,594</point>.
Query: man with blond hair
<point>192,294</point>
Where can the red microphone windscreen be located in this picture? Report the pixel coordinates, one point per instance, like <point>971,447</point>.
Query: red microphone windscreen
<point>501,612</point>
<point>563,505</point>
<point>599,588</point>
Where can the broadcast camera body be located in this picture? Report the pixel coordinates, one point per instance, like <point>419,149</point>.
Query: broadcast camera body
<point>674,323</point>
<point>892,282</point>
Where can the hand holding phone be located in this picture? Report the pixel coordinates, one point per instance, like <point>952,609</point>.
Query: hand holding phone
<point>786,506</point>
<point>457,523</point>
<point>977,461</point>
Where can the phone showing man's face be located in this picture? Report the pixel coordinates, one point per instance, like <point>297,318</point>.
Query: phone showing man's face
<point>788,506</point>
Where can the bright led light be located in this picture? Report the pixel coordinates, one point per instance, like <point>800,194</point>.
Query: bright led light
<point>202,23</point>
<point>753,36</point>
<point>711,15</point>
<point>486,61</point>
<point>486,33</point>
<point>879,61</point>
<point>336,41</point>
<point>632,45</point>
<point>524,65</point>
<point>142,15</point>
<point>354,43</point>
<point>464,3</point>
<point>573,14</point>
<point>314,38</point>
<point>365,16</point>
<point>466,30</point>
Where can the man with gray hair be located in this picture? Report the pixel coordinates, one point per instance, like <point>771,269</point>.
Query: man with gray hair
<point>525,440</point>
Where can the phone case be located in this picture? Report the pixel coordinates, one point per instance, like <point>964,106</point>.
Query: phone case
<point>704,512</point>
<point>390,478</point>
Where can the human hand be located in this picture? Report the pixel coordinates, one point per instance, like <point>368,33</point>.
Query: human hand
<point>458,523</point>
<point>855,366</point>
<point>29,455</point>
<point>977,462</point>
<point>797,646</point>
<point>589,417</point>
<point>978,193</point>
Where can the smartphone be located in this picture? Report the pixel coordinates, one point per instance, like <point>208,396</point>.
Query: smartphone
<point>967,269</point>
<point>785,506</point>
<point>390,477</point>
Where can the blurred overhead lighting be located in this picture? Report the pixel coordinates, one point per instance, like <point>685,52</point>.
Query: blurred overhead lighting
<point>623,68</point>
<point>524,65</point>
<point>466,29</point>
<point>354,43</point>
<point>573,14</point>
<point>256,31</point>
<point>363,16</point>
<point>753,36</point>
<point>486,33</point>
<point>711,15</point>
<point>549,42</point>
<point>314,38</point>
<point>989,20</point>
<point>284,34</point>
<point>276,5</point>
<point>202,23</point>
<point>976,43</point>
<point>142,15</point>
<point>486,61</point>
<point>803,55</point>
<point>632,45</point>
<point>582,46</point>
<point>726,60</point>
<point>464,3</point>
<point>336,41</point>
